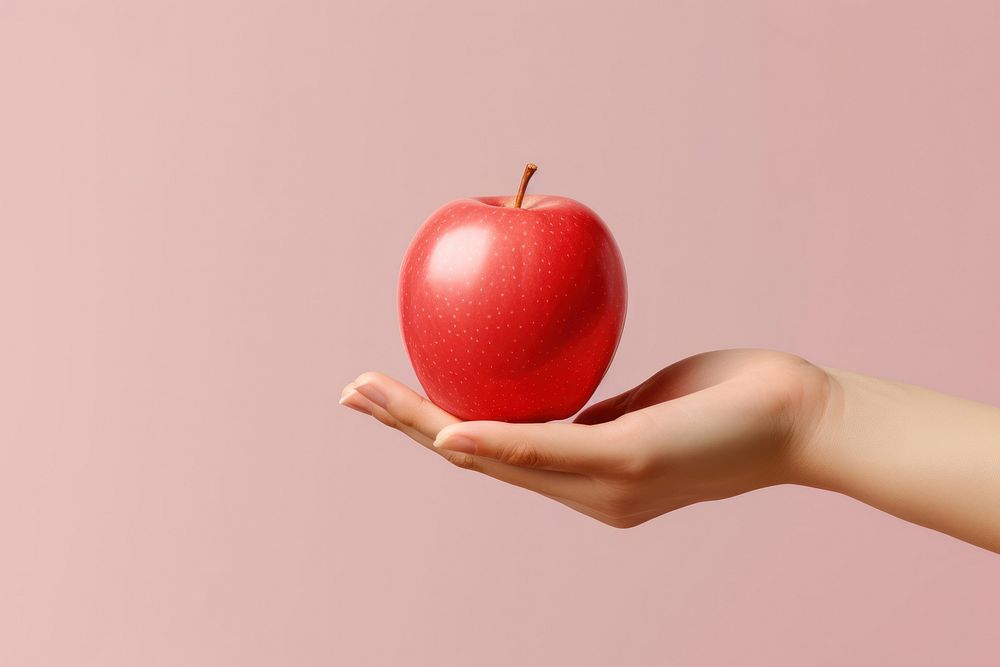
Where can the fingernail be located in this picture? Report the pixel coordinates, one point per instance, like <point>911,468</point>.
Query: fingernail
<point>372,394</point>
<point>457,443</point>
<point>355,401</point>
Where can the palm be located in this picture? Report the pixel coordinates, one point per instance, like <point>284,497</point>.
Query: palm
<point>721,423</point>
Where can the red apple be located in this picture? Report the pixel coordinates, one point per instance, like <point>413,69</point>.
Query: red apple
<point>512,312</point>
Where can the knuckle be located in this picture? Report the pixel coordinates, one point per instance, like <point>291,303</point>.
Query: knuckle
<point>386,418</point>
<point>419,414</point>
<point>464,461</point>
<point>522,453</point>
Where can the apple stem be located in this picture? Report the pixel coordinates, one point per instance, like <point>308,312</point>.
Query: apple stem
<point>529,169</point>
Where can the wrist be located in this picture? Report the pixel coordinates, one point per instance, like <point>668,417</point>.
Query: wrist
<point>853,412</point>
<point>920,455</point>
<point>819,426</point>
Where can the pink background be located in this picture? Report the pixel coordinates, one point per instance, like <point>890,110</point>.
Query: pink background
<point>203,207</point>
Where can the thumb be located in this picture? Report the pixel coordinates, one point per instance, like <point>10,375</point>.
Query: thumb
<point>553,446</point>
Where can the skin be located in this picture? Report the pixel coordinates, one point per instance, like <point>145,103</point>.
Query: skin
<point>723,423</point>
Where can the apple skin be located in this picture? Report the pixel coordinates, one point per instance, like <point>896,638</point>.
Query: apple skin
<point>512,314</point>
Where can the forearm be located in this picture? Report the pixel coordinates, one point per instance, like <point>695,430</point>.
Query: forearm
<point>923,456</point>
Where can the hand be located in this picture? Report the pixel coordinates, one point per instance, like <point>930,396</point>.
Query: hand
<point>711,426</point>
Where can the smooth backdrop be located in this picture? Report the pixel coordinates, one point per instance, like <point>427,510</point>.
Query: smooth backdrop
<point>203,207</point>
